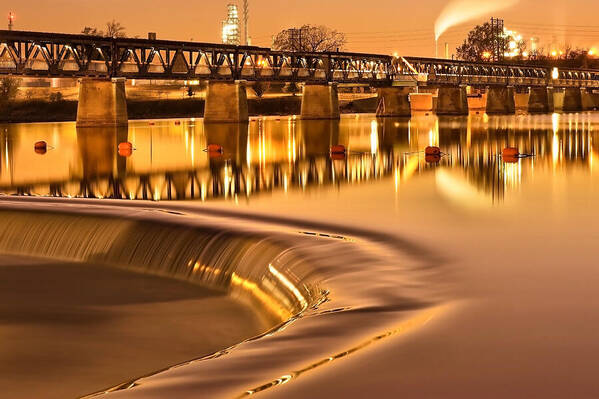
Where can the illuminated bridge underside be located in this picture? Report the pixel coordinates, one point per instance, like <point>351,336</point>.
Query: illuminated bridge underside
<point>61,55</point>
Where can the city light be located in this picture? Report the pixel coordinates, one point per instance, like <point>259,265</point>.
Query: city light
<point>230,26</point>
<point>514,40</point>
<point>555,73</point>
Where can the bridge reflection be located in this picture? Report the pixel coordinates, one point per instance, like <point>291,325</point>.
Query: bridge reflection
<point>169,160</point>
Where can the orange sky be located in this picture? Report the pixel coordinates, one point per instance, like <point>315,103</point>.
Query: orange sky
<point>382,26</point>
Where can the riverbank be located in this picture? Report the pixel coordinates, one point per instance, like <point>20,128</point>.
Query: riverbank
<point>66,110</point>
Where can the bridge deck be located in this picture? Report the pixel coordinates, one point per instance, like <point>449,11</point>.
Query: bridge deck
<point>41,54</point>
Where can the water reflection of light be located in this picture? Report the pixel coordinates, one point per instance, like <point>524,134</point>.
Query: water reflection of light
<point>374,137</point>
<point>555,149</point>
<point>261,295</point>
<point>289,285</point>
<point>512,174</point>
<point>414,322</point>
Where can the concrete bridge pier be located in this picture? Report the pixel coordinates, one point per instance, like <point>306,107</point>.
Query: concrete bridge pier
<point>393,102</point>
<point>541,100</point>
<point>572,100</point>
<point>102,102</point>
<point>452,101</point>
<point>226,102</point>
<point>500,100</point>
<point>587,100</point>
<point>320,101</point>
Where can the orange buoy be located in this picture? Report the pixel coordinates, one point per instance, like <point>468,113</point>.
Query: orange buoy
<point>125,146</point>
<point>214,149</point>
<point>177,123</point>
<point>509,159</point>
<point>337,156</point>
<point>125,152</point>
<point>338,149</point>
<point>151,123</point>
<point>40,147</point>
<point>432,151</point>
<point>510,152</point>
<point>432,158</point>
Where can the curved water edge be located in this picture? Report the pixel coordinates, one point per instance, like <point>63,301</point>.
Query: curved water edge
<point>342,288</point>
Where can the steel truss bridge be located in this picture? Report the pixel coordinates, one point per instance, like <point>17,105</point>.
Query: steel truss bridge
<point>39,54</point>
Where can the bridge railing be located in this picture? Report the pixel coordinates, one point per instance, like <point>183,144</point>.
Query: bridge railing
<point>48,54</point>
<point>63,55</point>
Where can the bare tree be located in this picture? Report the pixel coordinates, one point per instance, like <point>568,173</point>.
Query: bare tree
<point>91,31</point>
<point>114,29</point>
<point>309,38</point>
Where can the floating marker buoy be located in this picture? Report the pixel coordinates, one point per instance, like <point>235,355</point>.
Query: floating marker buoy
<point>40,147</point>
<point>151,123</point>
<point>125,149</point>
<point>432,158</point>
<point>214,150</point>
<point>338,149</point>
<point>177,123</point>
<point>432,151</point>
<point>510,152</point>
<point>125,146</point>
<point>509,159</point>
<point>125,152</point>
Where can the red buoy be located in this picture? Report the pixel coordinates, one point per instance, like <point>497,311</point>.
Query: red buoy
<point>510,152</point>
<point>432,151</point>
<point>151,123</point>
<point>432,158</point>
<point>215,148</point>
<point>125,146</point>
<point>177,123</point>
<point>509,159</point>
<point>125,152</point>
<point>338,149</point>
<point>40,147</point>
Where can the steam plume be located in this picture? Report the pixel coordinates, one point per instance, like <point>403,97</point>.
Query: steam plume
<point>459,11</point>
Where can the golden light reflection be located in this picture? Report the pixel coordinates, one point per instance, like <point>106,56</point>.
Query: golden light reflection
<point>415,322</point>
<point>265,299</point>
<point>289,285</point>
<point>374,137</point>
<point>274,154</point>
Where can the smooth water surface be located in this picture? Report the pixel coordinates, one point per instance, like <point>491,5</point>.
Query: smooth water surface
<point>466,275</point>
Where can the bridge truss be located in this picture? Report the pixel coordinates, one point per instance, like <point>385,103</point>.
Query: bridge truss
<point>39,54</point>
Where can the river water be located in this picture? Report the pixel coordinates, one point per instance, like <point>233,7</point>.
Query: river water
<point>383,272</point>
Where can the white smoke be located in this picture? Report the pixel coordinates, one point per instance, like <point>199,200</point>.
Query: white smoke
<point>459,11</point>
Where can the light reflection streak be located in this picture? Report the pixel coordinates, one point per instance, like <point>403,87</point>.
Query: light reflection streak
<point>268,157</point>
<point>415,322</point>
<point>290,286</point>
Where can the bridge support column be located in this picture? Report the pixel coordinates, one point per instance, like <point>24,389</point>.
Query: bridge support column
<point>102,102</point>
<point>587,100</point>
<point>500,100</point>
<point>452,101</point>
<point>226,102</point>
<point>320,101</point>
<point>541,100</point>
<point>572,100</point>
<point>393,102</point>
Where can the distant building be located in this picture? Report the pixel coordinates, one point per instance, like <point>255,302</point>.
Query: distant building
<point>231,26</point>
